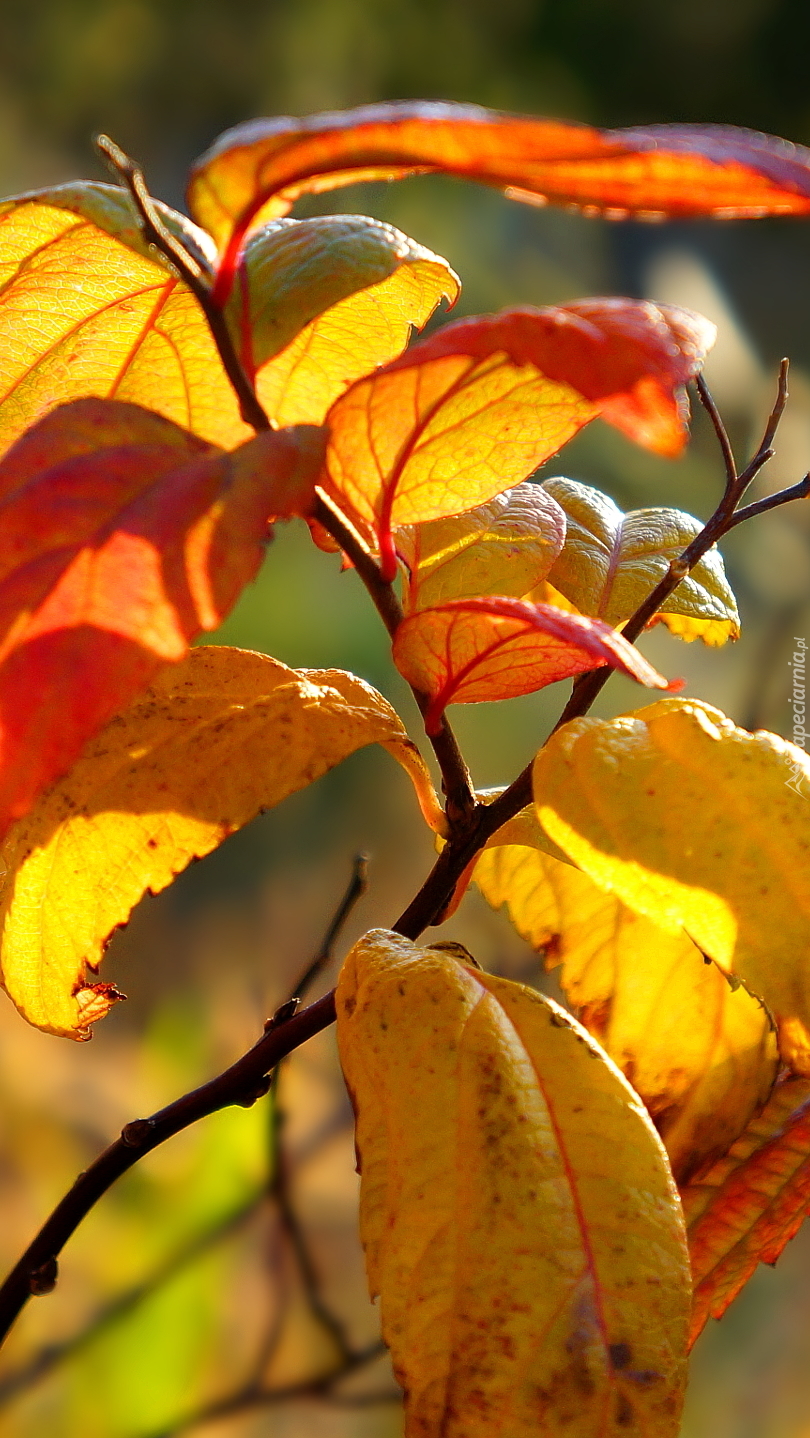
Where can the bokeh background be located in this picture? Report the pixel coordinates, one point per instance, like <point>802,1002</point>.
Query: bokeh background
<point>182,1301</point>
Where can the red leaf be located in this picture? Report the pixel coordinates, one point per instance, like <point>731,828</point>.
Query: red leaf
<point>477,407</point>
<point>258,170</point>
<point>124,537</point>
<point>750,1203</point>
<point>468,651</point>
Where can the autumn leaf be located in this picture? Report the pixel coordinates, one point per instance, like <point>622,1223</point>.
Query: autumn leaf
<point>502,547</point>
<point>124,538</point>
<point>750,1203</point>
<point>611,561</point>
<point>478,406</point>
<point>698,825</point>
<point>87,310</point>
<point>702,1056</point>
<point>471,650</point>
<point>516,1209</point>
<point>258,170</point>
<point>218,738</point>
<point>322,302</point>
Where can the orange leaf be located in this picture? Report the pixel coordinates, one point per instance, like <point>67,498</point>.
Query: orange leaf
<point>750,1203</point>
<point>476,408</point>
<point>258,170</point>
<point>470,650</point>
<point>124,538</point>
<point>87,309</point>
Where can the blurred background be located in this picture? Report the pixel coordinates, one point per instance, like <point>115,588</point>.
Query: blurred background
<point>190,1293</point>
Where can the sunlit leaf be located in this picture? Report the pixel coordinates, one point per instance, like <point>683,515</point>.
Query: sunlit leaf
<point>517,1212</point>
<point>746,1208</point>
<point>702,1056</point>
<point>258,170</point>
<point>218,738</point>
<point>471,650</point>
<point>328,300</point>
<point>698,825</point>
<point>502,547</point>
<point>85,309</point>
<point>478,406</point>
<point>611,561</point>
<point>124,537</point>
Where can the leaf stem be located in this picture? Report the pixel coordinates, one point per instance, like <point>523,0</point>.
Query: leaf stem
<point>191,272</point>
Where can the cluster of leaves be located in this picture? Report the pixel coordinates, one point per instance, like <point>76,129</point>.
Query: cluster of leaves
<point>171,388</point>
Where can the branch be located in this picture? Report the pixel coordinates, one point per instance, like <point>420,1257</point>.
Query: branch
<point>726,517</point>
<point>278,1188</point>
<point>456,782</point>
<point>243,1083</point>
<point>157,234</point>
<point>53,1355</point>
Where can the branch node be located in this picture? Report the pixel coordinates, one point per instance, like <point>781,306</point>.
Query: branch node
<point>137,1133</point>
<point>43,1279</point>
<point>281,1015</point>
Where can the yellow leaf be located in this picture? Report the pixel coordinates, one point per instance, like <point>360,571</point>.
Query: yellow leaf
<point>518,1215</point>
<point>330,299</point>
<point>702,1056</point>
<point>503,547</point>
<point>219,737</point>
<point>698,825</point>
<point>86,311</point>
<point>611,561</point>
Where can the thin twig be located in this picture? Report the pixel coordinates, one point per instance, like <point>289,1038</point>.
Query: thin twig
<point>157,234</point>
<point>726,517</point>
<point>278,1188</point>
<point>357,887</point>
<point>244,1082</point>
<point>730,463</point>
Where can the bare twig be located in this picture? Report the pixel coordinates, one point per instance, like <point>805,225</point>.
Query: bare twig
<point>157,234</point>
<point>244,1082</point>
<point>355,891</point>
<point>279,1186</point>
<point>726,517</point>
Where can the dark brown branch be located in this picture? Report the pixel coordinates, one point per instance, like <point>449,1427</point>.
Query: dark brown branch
<point>242,1083</point>
<point>55,1354</point>
<point>726,517</point>
<point>456,781</point>
<point>157,234</point>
